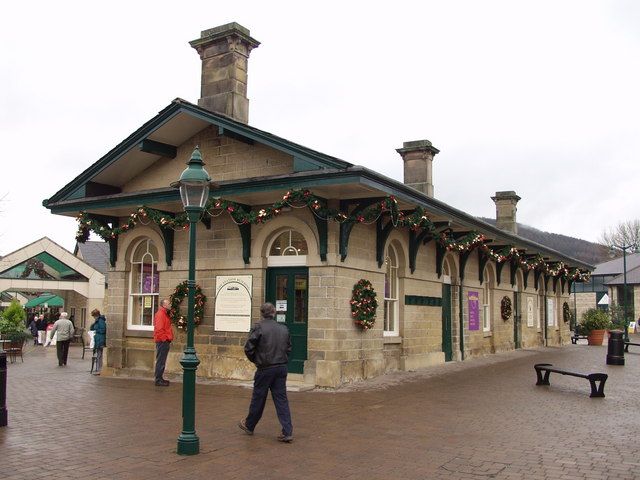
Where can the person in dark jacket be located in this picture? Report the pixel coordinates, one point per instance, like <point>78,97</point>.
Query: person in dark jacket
<point>33,327</point>
<point>99,326</point>
<point>42,326</point>
<point>268,347</point>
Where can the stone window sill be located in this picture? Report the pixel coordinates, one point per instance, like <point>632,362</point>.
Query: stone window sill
<point>392,339</point>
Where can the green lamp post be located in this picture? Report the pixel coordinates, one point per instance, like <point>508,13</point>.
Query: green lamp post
<point>625,311</point>
<point>194,191</point>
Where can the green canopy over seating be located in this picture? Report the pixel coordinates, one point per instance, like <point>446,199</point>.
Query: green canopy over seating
<point>48,298</point>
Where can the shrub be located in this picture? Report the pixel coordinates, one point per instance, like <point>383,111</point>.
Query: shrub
<point>594,319</point>
<point>12,322</point>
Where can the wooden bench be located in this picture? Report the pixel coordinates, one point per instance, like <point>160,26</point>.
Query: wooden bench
<point>596,390</point>
<point>626,345</point>
<point>575,337</point>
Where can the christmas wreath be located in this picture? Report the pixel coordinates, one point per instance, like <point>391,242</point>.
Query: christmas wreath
<point>566,312</point>
<point>364,304</point>
<point>182,291</point>
<point>505,308</point>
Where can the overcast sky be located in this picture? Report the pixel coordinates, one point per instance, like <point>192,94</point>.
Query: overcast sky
<point>540,97</point>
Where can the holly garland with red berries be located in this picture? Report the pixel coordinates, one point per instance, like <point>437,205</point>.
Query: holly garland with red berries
<point>181,291</point>
<point>364,304</point>
<point>302,198</point>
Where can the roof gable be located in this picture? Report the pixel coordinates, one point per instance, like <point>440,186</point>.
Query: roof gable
<point>45,260</point>
<point>160,137</point>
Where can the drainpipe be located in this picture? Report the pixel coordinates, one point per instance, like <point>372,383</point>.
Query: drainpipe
<point>461,314</point>
<point>546,313</point>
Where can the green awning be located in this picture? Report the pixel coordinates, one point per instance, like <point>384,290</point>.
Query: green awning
<point>50,300</point>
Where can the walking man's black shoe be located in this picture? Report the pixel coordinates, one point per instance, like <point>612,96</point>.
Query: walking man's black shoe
<point>162,383</point>
<point>243,426</point>
<point>285,438</point>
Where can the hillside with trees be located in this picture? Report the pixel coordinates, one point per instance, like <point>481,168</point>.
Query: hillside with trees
<point>588,252</point>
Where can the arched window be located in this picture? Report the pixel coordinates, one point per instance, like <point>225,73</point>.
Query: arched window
<point>391,323</point>
<point>288,248</point>
<point>144,282</point>
<point>487,294</point>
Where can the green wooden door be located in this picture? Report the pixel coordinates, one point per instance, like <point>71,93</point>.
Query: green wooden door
<point>447,341</point>
<point>288,289</point>
<point>517,319</point>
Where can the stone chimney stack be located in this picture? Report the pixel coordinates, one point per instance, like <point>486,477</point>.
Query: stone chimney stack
<point>506,211</point>
<point>224,52</point>
<point>418,165</point>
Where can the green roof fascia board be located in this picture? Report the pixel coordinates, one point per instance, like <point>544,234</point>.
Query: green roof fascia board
<point>151,197</point>
<point>132,141</point>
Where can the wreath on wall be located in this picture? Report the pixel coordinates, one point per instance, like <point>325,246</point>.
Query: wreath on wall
<point>182,291</point>
<point>566,312</point>
<point>505,308</point>
<point>364,304</point>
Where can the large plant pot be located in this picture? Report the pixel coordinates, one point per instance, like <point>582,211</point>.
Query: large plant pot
<point>595,337</point>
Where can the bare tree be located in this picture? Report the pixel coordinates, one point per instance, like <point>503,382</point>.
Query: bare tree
<point>625,233</point>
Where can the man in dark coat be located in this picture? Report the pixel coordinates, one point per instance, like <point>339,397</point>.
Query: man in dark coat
<point>268,347</point>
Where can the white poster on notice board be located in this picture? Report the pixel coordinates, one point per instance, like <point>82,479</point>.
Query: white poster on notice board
<point>233,303</point>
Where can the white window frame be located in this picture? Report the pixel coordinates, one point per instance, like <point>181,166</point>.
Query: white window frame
<point>283,260</point>
<point>487,292</point>
<point>132,296</point>
<point>391,307</point>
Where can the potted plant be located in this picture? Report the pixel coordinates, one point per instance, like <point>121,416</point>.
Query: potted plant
<point>12,323</point>
<point>594,324</point>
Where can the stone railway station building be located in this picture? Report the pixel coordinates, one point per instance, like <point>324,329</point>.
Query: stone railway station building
<point>300,228</point>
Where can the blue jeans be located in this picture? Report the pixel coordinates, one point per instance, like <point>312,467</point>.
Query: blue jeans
<point>274,379</point>
<point>162,350</point>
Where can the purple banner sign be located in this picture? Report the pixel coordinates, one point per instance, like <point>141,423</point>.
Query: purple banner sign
<point>474,310</point>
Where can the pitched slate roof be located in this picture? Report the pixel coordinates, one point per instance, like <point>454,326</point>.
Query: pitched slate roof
<point>95,254</point>
<point>633,278</point>
<point>615,266</point>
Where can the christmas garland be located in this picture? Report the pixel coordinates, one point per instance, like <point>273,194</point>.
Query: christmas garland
<point>505,308</point>
<point>36,266</point>
<point>302,198</point>
<point>181,291</point>
<point>364,304</point>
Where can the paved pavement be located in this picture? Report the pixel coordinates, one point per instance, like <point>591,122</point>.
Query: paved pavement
<point>484,418</point>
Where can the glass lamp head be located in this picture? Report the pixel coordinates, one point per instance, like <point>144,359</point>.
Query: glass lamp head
<point>194,183</point>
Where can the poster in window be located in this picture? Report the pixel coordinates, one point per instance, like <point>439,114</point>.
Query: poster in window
<point>551,312</point>
<point>233,303</point>
<point>474,310</point>
<point>529,311</point>
<point>150,282</point>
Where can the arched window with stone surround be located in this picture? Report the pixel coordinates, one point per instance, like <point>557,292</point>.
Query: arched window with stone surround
<point>391,320</point>
<point>144,283</point>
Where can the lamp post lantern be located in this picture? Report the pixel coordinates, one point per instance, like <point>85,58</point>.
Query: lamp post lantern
<point>194,192</point>
<point>625,311</point>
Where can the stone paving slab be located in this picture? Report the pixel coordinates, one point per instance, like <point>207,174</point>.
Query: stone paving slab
<point>481,419</point>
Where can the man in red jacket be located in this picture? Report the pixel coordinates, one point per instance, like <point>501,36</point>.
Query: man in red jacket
<point>162,334</point>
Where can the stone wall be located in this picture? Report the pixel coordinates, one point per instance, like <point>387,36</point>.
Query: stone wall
<point>338,350</point>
